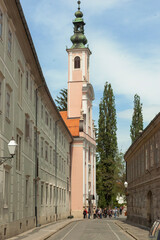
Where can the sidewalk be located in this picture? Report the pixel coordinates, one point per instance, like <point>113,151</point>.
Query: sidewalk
<point>136,231</point>
<point>44,232</point>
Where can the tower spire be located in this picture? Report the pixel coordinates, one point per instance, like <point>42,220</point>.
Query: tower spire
<point>78,39</point>
<point>79,2</point>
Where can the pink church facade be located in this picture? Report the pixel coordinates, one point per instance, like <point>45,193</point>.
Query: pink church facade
<point>78,119</point>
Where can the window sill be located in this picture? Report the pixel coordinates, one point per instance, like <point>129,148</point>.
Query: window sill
<point>8,120</point>
<point>20,106</point>
<point>5,206</point>
<point>18,172</point>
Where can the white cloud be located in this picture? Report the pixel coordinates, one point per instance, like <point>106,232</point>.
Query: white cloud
<point>129,74</point>
<point>126,114</point>
<point>149,112</point>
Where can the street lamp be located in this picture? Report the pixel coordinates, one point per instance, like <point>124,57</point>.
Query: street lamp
<point>125,184</point>
<point>11,147</point>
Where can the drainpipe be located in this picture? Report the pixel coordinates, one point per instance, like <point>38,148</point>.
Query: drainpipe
<point>36,157</point>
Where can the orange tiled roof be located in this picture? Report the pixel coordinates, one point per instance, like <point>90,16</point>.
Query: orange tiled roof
<point>72,124</point>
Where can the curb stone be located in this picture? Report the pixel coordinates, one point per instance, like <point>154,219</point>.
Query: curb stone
<point>126,231</point>
<point>50,234</point>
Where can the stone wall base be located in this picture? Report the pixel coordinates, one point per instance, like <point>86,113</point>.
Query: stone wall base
<point>12,229</point>
<point>138,220</point>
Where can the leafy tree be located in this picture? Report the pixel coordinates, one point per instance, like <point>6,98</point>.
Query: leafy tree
<point>137,119</point>
<point>62,100</point>
<point>106,147</point>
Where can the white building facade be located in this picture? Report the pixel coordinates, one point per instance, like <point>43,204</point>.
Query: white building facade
<point>34,186</point>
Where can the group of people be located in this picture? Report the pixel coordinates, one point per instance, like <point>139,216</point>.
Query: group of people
<point>99,213</point>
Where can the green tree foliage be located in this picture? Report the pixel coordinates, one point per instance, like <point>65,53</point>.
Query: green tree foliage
<point>106,148</point>
<point>62,100</point>
<point>137,119</point>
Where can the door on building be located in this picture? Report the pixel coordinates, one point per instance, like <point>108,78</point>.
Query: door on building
<point>149,208</point>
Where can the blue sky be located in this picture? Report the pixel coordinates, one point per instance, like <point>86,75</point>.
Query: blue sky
<point>124,38</point>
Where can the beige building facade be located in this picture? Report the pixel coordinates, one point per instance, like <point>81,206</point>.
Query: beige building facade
<point>143,175</point>
<point>34,186</point>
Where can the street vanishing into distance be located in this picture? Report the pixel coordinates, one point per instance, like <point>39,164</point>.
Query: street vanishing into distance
<point>97,229</point>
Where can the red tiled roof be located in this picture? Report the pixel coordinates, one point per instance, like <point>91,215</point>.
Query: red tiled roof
<point>72,124</point>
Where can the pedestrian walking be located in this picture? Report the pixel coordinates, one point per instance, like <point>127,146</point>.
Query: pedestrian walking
<point>85,213</point>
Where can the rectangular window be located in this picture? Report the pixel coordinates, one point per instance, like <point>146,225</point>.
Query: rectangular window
<point>27,80</point>
<point>59,136</point>
<point>53,128</point>
<point>57,194</point>
<point>89,155</point>
<point>35,143</point>
<point>18,153</point>
<point>46,118</point>
<point>60,197</point>
<point>46,194</point>
<point>6,187</point>
<point>30,132</point>
<point>53,157</point>
<point>20,86</point>
<point>31,89</point>
<point>67,184</point>
<point>42,110</point>
<point>26,195</point>
<point>156,152</point>
<point>50,194</point>
<point>54,197</point>
<point>59,163</point>
<point>27,128</point>
<point>9,42</point>
<point>41,193</point>
<point>64,166</point>
<point>146,159</point>
<point>1,23</point>
<point>46,151</point>
<point>151,155</point>
<point>42,147</point>
<point>50,125</point>
<point>64,196</point>
<point>50,155</point>
<point>8,104</point>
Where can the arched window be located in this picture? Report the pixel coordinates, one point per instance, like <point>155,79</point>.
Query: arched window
<point>77,62</point>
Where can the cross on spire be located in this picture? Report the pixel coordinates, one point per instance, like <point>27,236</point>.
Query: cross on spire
<point>79,2</point>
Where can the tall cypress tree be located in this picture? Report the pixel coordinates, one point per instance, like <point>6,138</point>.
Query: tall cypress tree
<point>62,100</point>
<point>137,119</point>
<point>106,147</point>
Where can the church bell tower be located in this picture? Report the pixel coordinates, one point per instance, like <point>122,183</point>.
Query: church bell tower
<point>78,67</point>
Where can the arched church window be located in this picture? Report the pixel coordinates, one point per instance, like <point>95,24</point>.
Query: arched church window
<point>77,62</point>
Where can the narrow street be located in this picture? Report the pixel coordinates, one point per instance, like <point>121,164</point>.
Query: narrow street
<point>100,229</point>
